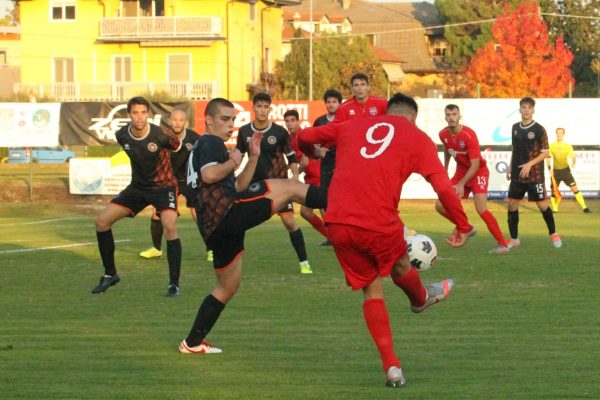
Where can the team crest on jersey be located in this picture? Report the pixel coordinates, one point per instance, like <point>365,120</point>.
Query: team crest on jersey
<point>461,144</point>
<point>254,187</point>
<point>126,146</point>
<point>530,135</point>
<point>271,140</point>
<point>373,110</point>
<point>152,147</point>
<point>352,112</point>
<point>189,146</point>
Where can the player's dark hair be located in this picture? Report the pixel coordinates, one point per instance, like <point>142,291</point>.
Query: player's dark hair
<point>291,113</point>
<point>360,76</point>
<point>332,93</point>
<point>527,100</point>
<point>400,99</point>
<point>138,100</point>
<point>213,106</point>
<point>452,107</point>
<point>262,96</point>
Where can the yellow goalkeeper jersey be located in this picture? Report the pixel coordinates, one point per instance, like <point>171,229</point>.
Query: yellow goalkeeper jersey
<point>560,152</point>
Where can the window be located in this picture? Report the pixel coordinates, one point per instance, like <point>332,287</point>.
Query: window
<point>252,10</point>
<point>3,58</point>
<point>179,67</point>
<point>62,10</point>
<point>122,68</point>
<point>64,69</point>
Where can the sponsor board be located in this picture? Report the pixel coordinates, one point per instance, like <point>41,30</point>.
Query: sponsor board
<point>29,124</point>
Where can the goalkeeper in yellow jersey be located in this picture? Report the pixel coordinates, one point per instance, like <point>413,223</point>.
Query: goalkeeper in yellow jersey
<point>561,151</point>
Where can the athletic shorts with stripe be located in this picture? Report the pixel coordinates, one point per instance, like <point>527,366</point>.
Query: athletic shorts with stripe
<point>477,184</point>
<point>251,208</point>
<point>564,175</point>
<point>364,254</point>
<point>135,199</point>
<point>535,191</point>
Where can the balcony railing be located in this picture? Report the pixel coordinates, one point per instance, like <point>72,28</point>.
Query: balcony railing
<point>132,28</point>
<point>117,91</point>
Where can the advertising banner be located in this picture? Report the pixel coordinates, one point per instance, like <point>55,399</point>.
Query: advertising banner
<point>308,111</point>
<point>492,119</point>
<point>99,175</point>
<point>29,124</point>
<point>96,123</point>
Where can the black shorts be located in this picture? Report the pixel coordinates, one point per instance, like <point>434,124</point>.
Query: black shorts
<point>135,199</point>
<point>326,178</point>
<point>250,209</point>
<point>535,191</point>
<point>287,208</point>
<point>564,175</point>
<point>184,190</point>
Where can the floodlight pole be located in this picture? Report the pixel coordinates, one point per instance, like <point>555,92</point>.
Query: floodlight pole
<point>310,54</point>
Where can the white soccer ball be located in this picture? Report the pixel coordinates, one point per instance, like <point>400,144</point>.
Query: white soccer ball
<point>421,251</point>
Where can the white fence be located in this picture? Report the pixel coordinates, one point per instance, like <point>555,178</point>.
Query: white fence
<point>159,27</point>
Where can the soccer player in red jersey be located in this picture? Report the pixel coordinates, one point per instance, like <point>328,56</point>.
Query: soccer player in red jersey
<point>152,183</point>
<point>375,156</point>
<point>472,175</point>
<point>310,166</point>
<point>361,105</point>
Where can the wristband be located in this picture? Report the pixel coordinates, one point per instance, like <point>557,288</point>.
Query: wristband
<point>235,164</point>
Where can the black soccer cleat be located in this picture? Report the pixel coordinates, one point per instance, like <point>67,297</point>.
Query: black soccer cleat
<point>172,291</point>
<point>106,281</point>
<point>587,210</point>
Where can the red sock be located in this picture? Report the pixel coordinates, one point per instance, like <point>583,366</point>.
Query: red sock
<point>378,322</point>
<point>412,286</point>
<point>493,227</point>
<point>318,224</point>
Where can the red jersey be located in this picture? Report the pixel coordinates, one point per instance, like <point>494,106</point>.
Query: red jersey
<point>375,156</point>
<point>351,109</point>
<point>463,147</point>
<point>312,172</point>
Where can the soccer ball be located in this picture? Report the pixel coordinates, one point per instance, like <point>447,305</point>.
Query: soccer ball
<point>421,251</point>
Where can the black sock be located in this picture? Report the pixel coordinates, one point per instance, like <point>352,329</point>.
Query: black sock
<point>316,197</point>
<point>297,239</point>
<point>174,259</point>
<point>207,316</point>
<point>549,218</point>
<point>156,231</point>
<point>106,245</point>
<point>513,224</point>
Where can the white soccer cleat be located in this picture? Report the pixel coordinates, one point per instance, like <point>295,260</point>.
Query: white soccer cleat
<point>394,377</point>
<point>514,243</point>
<point>436,292</point>
<point>556,242</point>
<point>500,250</point>
<point>202,348</point>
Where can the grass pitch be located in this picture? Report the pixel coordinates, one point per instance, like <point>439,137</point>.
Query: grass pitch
<point>523,325</point>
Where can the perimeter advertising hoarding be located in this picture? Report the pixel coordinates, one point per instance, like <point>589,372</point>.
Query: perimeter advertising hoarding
<point>29,124</point>
<point>308,111</point>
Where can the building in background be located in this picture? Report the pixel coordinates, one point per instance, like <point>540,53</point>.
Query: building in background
<point>175,49</point>
<point>10,71</point>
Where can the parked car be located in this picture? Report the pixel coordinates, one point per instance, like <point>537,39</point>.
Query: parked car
<point>39,154</point>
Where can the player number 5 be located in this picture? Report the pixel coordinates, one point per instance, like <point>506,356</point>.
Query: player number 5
<point>384,142</point>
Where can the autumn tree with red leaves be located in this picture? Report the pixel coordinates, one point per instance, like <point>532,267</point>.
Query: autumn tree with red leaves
<point>520,59</point>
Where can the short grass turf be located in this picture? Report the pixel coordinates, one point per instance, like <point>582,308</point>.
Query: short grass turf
<point>523,325</point>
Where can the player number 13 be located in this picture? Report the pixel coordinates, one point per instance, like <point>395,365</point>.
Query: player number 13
<point>384,142</point>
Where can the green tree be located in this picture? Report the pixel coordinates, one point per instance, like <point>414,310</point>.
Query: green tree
<point>335,60</point>
<point>582,35</point>
<point>11,17</point>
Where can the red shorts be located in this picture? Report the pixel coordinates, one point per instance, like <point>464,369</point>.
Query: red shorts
<point>477,184</point>
<point>365,255</point>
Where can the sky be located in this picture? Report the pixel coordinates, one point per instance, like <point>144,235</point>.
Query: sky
<point>4,4</point>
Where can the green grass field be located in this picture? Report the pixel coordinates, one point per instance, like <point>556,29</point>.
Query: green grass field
<point>519,326</point>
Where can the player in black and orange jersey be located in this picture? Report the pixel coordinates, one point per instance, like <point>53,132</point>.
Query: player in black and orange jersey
<point>274,150</point>
<point>228,206</point>
<point>529,150</point>
<point>177,121</point>
<point>152,183</point>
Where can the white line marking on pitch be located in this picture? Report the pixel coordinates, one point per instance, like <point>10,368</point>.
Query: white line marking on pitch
<point>45,221</point>
<point>55,247</point>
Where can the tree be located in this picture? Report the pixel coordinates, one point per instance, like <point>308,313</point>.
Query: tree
<point>335,60</point>
<point>473,33</point>
<point>11,15</point>
<point>582,36</point>
<point>521,59</point>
